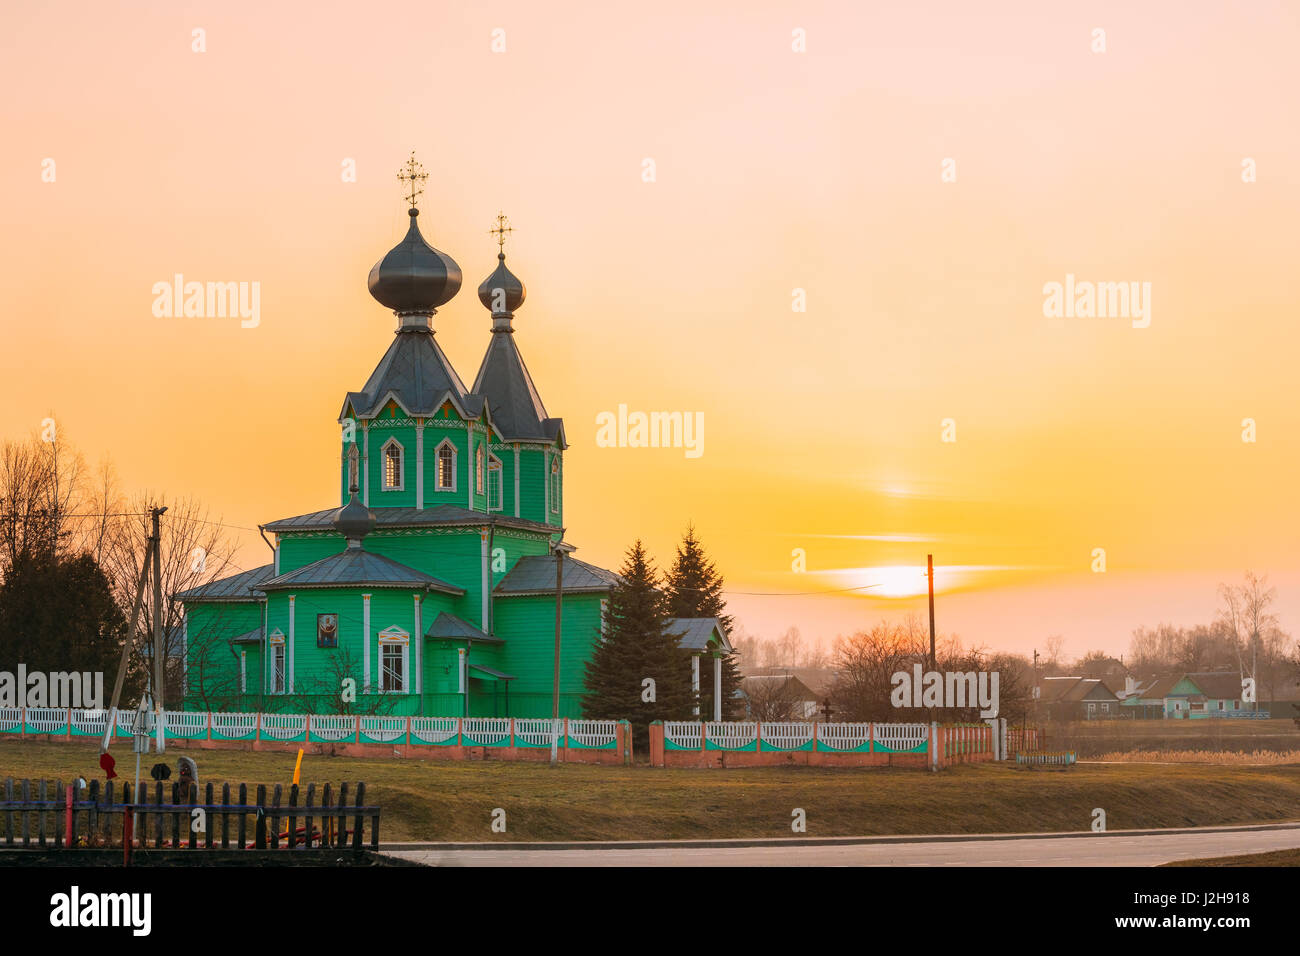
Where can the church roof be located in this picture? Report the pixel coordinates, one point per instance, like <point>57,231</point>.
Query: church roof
<point>237,587</point>
<point>416,374</point>
<point>535,574</point>
<point>439,516</point>
<point>516,407</point>
<point>696,632</point>
<point>450,627</point>
<point>357,567</point>
<point>249,637</point>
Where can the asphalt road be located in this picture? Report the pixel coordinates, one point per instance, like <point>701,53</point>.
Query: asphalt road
<point>1139,848</point>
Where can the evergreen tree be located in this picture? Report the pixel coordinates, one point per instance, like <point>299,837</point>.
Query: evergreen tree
<point>57,613</point>
<point>693,588</point>
<point>637,644</point>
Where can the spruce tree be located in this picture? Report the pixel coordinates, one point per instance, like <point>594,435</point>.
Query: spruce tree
<point>693,588</point>
<point>637,644</point>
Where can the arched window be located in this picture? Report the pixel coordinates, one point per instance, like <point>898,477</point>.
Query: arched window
<point>494,483</point>
<point>555,483</point>
<point>392,465</point>
<point>478,470</point>
<point>446,466</point>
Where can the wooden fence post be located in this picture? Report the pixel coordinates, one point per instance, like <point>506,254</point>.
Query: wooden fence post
<point>225,818</point>
<point>293,817</point>
<point>356,834</point>
<point>343,819</point>
<point>311,800</point>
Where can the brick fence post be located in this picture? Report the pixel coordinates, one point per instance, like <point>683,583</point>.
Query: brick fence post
<point>657,743</point>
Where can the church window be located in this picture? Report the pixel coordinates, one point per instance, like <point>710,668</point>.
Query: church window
<point>393,645</point>
<point>276,648</point>
<point>555,484</point>
<point>478,470</point>
<point>392,465</point>
<point>446,466</point>
<point>494,483</point>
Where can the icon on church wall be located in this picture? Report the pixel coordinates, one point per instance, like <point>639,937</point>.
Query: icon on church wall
<point>327,630</point>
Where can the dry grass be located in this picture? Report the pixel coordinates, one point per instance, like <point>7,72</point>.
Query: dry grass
<point>1253,758</point>
<point>1272,858</point>
<point>453,801</point>
<point>1104,738</point>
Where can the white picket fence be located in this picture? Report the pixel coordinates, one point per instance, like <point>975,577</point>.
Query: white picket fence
<point>322,728</point>
<point>796,735</point>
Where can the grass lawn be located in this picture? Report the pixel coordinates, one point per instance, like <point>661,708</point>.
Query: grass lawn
<point>453,801</point>
<point>1274,858</point>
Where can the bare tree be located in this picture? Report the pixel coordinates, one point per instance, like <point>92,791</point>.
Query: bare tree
<point>195,551</point>
<point>1246,617</point>
<point>772,698</point>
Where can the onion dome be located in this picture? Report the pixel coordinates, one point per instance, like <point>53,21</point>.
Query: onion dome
<point>502,292</point>
<point>354,520</point>
<point>414,278</point>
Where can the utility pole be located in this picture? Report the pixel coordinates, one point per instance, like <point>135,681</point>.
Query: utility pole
<point>929,573</point>
<point>159,649</point>
<point>560,549</point>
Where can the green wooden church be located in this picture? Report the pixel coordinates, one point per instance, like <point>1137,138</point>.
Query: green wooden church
<point>432,589</point>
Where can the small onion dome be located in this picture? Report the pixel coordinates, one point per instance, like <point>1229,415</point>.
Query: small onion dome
<point>414,277</point>
<point>354,520</point>
<point>502,292</point>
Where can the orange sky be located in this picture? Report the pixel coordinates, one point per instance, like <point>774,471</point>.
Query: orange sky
<point>775,170</point>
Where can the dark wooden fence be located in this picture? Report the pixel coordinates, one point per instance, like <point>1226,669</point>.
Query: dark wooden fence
<point>50,814</point>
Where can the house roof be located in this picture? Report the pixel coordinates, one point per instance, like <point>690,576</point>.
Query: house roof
<point>516,407</point>
<point>1072,689</point>
<point>787,682</point>
<point>438,516</point>
<point>248,637</point>
<point>237,587</point>
<point>1218,685</point>
<point>450,627</point>
<point>416,374</point>
<point>816,679</point>
<point>535,574</point>
<point>356,567</point>
<point>697,631</point>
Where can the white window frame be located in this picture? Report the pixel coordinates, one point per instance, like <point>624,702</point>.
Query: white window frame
<point>553,492</point>
<point>401,466</point>
<point>437,466</point>
<point>494,465</point>
<point>275,649</point>
<point>480,470</point>
<point>395,637</point>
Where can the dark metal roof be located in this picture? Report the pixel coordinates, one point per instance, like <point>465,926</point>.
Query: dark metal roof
<point>516,407</point>
<point>360,568</point>
<point>535,574</point>
<point>234,588</point>
<point>449,627</point>
<point>696,632</point>
<point>413,276</point>
<point>249,637</point>
<point>417,374</point>
<point>491,671</point>
<point>440,515</point>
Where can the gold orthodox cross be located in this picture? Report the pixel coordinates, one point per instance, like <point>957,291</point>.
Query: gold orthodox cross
<point>500,230</point>
<point>412,175</point>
